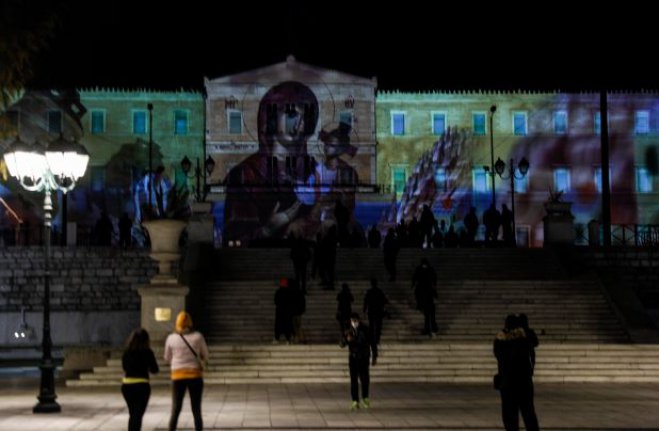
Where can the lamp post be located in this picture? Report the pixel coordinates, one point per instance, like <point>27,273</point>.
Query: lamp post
<point>493,109</point>
<point>150,108</point>
<point>62,164</point>
<point>523,168</point>
<point>209,165</point>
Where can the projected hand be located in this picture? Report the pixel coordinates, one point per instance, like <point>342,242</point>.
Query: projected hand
<point>279,219</point>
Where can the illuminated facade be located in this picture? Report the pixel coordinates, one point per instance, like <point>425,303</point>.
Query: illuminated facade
<point>356,146</point>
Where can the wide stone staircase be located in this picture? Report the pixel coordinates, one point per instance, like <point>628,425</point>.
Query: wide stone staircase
<point>581,336</point>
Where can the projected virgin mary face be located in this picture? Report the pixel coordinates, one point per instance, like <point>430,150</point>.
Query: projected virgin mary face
<point>288,114</point>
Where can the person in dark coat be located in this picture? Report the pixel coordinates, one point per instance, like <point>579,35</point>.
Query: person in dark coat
<point>471,224</point>
<point>523,322</point>
<point>284,305</point>
<point>300,255</point>
<point>426,223</point>
<point>390,249</point>
<point>424,282</point>
<point>374,237</point>
<point>344,307</point>
<point>104,230</point>
<point>137,361</point>
<point>125,226</point>
<point>507,226</point>
<point>360,345</point>
<point>515,376</point>
<point>375,302</point>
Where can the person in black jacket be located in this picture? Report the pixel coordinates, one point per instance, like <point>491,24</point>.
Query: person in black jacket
<point>137,361</point>
<point>424,283</point>
<point>515,370</point>
<point>375,302</point>
<point>360,345</point>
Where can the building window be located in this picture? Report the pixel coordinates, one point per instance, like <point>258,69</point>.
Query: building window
<point>480,183</point>
<point>235,121</point>
<point>562,179</point>
<point>560,122</point>
<point>642,122</point>
<point>521,184</point>
<point>438,123</point>
<point>98,121</point>
<point>180,122</point>
<point>345,117</point>
<point>97,178</point>
<point>139,122</point>
<point>397,123</point>
<point>519,123</point>
<point>643,180</point>
<point>54,121</point>
<point>398,178</point>
<point>441,184</point>
<point>478,123</point>
<point>597,123</point>
<point>598,179</point>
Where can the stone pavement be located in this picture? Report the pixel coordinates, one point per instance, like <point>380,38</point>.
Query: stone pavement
<point>326,407</point>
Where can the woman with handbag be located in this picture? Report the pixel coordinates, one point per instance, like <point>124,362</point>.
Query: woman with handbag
<point>187,352</point>
<point>137,361</point>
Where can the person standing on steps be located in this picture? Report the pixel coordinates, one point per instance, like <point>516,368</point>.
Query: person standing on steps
<point>424,283</point>
<point>515,376</point>
<point>187,352</point>
<point>360,345</point>
<point>375,302</point>
<point>137,361</point>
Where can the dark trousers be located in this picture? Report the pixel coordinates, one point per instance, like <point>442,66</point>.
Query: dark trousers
<point>283,325</point>
<point>137,397</point>
<point>390,265</point>
<point>430,322</point>
<point>375,325</point>
<point>301,274</point>
<point>359,372</point>
<point>515,399</point>
<point>196,388</point>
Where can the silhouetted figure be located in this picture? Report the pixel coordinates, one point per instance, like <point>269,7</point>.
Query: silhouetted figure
<point>424,283</point>
<point>507,226</point>
<point>437,236</point>
<point>299,306</point>
<point>451,239</point>
<point>317,260</point>
<point>414,236</point>
<point>329,257</point>
<point>284,305</point>
<point>342,215</point>
<point>344,307</point>
<point>390,249</point>
<point>375,302</point>
<point>360,346</point>
<point>125,226</point>
<point>471,224</point>
<point>513,352</point>
<point>492,221</point>
<point>426,223</point>
<point>374,237</point>
<point>137,361</point>
<point>532,337</point>
<point>300,255</point>
<point>104,230</point>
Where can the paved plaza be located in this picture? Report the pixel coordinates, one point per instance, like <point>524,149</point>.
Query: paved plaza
<point>404,406</point>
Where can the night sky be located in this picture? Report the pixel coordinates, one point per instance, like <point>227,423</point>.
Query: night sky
<point>425,46</point>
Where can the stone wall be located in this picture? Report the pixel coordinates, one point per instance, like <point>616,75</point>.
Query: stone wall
<point>94,296</point>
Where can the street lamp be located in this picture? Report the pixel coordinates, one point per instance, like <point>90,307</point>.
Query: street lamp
<point>493,109</point>
<point>62,164</point>
<point>523,168</point>
<point>209,165</point>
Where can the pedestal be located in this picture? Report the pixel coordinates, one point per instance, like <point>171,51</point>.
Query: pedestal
<point>200,225</point>
<point>160,305</point>
<point>558,224</point>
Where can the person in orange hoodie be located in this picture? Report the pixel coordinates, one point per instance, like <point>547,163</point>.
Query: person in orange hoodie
<point>187,352</point>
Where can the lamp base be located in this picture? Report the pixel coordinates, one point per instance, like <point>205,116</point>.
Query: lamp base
<point>47,405</point>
